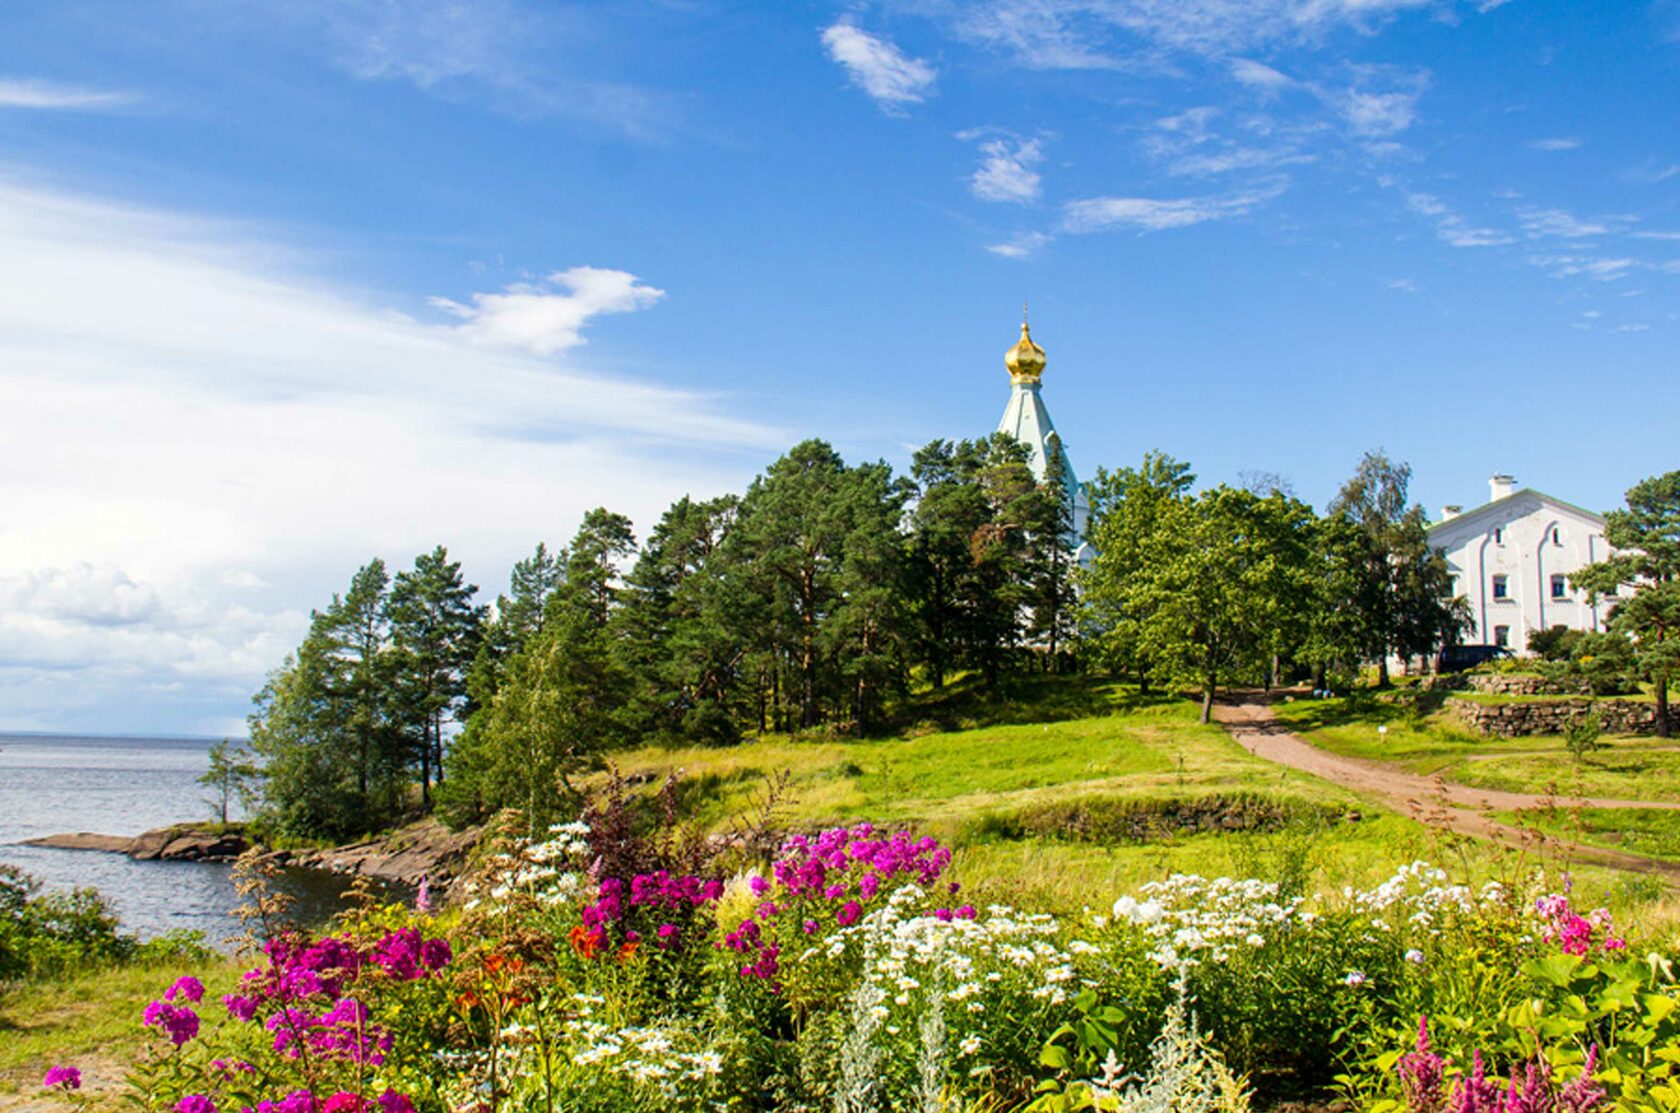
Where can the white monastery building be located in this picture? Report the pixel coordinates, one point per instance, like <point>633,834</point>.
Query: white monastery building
<point>1512,558</point>
<point>1028,420</point>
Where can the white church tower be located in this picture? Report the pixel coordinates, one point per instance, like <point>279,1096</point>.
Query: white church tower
<point>1028,420</point>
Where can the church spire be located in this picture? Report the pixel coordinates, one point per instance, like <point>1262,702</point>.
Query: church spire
<point>1026,359</point>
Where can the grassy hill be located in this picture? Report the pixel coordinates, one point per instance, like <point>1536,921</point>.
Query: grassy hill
<point>1064,791</point>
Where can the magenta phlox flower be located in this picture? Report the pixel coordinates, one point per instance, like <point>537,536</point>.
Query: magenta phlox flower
<point>185,986</point>
<point>240,1006</point>
<point>398,954</point>
<point>667,935</point>
<point>849,913</point>
<point>392,1102</point>
<point>195,1103</point>
<point>945,915</point>
<point>745,937</point>
<point>228,1068</point>
<point>966,912</point>
<point>1574,934</point>
<point>64,1078</point>
<point>298,1101</point>
<point>344,1102</point>
<point>178,1022</point>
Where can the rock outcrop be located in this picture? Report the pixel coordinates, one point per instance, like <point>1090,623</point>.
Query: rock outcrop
<point>426,849</point>
<point>184,842</point>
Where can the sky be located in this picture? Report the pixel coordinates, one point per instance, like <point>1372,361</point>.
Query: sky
<point>285,286</point>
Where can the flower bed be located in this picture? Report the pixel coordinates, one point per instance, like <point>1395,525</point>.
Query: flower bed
<point>601,970</point>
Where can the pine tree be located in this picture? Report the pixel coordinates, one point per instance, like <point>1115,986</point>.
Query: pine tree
<point>435,629</point>
<point>1644,579</point>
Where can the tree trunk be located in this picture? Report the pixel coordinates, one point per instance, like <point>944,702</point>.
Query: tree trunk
<point>1207,697</point>
<point>1382,668</point>
<point>1318,677</point>
<point>1661,691</point>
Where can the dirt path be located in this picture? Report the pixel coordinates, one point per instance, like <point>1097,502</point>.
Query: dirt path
<point>1461,808</point>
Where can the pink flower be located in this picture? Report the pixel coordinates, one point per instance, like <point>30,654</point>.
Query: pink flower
<point>392,1102</point>
<point>185,986</point>
<point>195,1103</point>
<point>68,1078</point>
<point>1421,1073</point>
<point>239,1006</point>
<point>178,1022</point>
<point>849,913</point>
<point>343,1102</point>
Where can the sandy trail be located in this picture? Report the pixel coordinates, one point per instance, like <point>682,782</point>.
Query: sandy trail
<point>1249,719</point>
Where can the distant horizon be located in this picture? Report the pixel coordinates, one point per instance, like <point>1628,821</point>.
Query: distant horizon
<point>105,736</point>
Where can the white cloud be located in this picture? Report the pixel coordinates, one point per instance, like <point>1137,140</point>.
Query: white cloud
<point>1020,247</point>
<point>499,52</point>
<point>1598,268</point>
<point>48,95</point>
<point>1404,285</point>
<point>1539,223</point>
<point>1376,114</point>
<point>1450,227</point>
<point>879,68</point>
<point>1561,143</point>
<point>1146,214</point>
<point>538,319</point>
<point>1085,34</point>
<point>197,445</point>
<point>1258,75</point>
<point>1631,328</point>
<point>1006,171</point>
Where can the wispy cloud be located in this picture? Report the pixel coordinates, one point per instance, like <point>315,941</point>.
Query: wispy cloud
<point>1368,108</point>
<point>890,77</point>
<point>1022,246</point>
<point>50,95</point>
<point>1085,34</point>
<point>1452,228</point>
<point>183,421</point>
<point>549,317</point>
<point>1258,75</point>
<point>1006,171</point>
<point>1542,223</point>
<point>501,52</point>
<point>1147,214</point>
<point>1598,268</point>
<point>1561,143</point>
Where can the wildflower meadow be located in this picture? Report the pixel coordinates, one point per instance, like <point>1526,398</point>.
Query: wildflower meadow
<point>601,969</point>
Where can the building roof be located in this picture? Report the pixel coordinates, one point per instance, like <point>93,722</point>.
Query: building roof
<point>1488,507</point>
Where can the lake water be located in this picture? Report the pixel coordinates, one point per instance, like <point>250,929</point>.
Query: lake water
<point>53,784</point>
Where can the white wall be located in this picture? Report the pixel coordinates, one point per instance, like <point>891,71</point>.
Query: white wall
<point>1513,537</point>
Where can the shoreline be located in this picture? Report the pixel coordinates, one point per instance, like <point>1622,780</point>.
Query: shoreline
<point>422,851</point>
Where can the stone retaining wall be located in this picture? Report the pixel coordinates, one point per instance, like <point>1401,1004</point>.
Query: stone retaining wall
<point>1524,684</point>
<point>1512,720</point>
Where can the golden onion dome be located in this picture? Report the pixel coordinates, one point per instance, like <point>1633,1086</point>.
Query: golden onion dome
<point>1025,360</point>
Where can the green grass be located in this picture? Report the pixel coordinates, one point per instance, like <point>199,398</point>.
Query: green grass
<point>1653,832</point>
<point>969,787</point>
<point>1619,772</point>
<point>91,1021</point>
<point>1423,739</point>
<point>1130,747</point>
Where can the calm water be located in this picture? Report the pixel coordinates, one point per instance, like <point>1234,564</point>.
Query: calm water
<point>52,784</point>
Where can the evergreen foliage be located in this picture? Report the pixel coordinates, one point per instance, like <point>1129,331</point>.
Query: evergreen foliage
<point>1644,578</point>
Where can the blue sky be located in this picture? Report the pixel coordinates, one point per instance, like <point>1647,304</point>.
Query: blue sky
<point>286,286</point>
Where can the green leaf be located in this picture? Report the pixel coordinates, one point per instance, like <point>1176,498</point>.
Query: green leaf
<point>1055,1057</point>
<point>1559,970</point>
